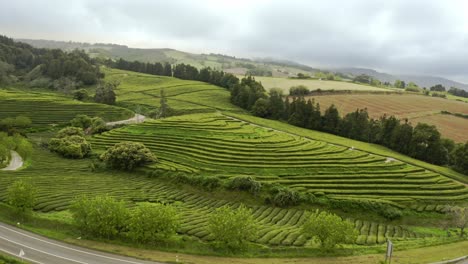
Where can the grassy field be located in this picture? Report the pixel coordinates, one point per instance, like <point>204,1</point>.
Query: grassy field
<point>416,108</point>
<point>46,109</point>
<point>285,84</point>
<point>183,96</point>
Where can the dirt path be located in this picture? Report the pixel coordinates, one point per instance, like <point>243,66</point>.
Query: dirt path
<point>16,162</point>
<point>134,120</point>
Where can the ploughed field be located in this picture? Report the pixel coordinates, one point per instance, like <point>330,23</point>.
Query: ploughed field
<point>59,184</point>
<point>53,109</point>
<point>417,108</point>
<point>216,145</point>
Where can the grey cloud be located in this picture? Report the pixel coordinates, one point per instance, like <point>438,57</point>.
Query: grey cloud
<point>413,37</point>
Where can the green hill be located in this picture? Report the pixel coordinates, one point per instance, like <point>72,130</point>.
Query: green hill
<point>213,138</point>
<point>52,108</point>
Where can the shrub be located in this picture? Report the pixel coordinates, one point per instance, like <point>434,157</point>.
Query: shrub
<point>245,183</point>
<point>127,156</point>
<point>388,211</point>
<point>152,223</point>
<point>98,125</point>
<point>81,121</point>
<point>74,147</point>
<point>22,196</point>
<point>100,216</point>
<point>282,196</point>
<point>329,229</point>
<point>70,131</point>
<point>232,228</point>
<point>81,95</point>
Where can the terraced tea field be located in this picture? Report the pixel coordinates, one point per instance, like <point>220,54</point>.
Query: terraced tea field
<point>49,109</point>
<point>218,146</point>
<point>416,108</point>
<point>58,185</point>
<point>182,95</point>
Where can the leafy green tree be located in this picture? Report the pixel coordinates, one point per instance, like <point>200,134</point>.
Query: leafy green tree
<point>22,196</point>
<point>105,93</point>
<point>329,229</point>
<point>276,104</point>
<point>98,125</point>
<point>70,131</point>
<point>438,88</point>
<point>81,95</point>
<point>331,120</point>
<point>127,156</point>
<point>70,143</point>
<point>100,216</point>
<point>153,222</point>
<point>460,218</point>
<point>232,228</point>
<point>81,121</point>
<point>299,90</point>
<point>261,108</point>
<point>426,145</point>
<point>459,158</point>
<point>400,84</point>
<point>15,125</point>
<point>401,138</point>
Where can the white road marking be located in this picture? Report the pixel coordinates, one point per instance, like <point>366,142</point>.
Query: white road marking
<point>38,250</point>
<point>69,248</point>
<point>13,254</point>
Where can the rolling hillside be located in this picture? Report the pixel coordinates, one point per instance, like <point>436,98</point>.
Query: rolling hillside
<point>214,138</point>
<point>238,148</point>
<point>231,64</point>
<point>325,85</point>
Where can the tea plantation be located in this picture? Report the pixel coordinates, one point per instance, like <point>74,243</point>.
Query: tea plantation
<point>208,138</point>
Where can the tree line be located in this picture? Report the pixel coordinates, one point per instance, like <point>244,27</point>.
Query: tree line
<point>423,141</point>
<point>44,67</point>
<point>157,68</point>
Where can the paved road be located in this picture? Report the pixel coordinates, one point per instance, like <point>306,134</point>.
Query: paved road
<point>41,250</point>
<point>134,120</point>
<point>15,162</point>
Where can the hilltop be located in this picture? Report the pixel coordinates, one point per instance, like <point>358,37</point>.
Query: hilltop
<point>240,66</point>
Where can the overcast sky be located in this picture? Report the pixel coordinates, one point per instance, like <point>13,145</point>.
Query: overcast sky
<point>411,37</point>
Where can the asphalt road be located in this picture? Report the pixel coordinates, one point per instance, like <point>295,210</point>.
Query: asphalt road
<point>40,250</point>
<point>15,162</point>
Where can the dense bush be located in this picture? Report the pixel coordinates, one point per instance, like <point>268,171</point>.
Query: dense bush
<point>282,196</point>
<point>81,121</point>
<point>353,205</point>
<point>15,125</point>
<point>329,229</point>
<point>245,183</point>
<point>127,156</point>
<point>152,222</point>
<point>70,143</point>
<point>105,93</point>
<point>232,228</point>
<point>100,216</point>
<point>70,131</point>
<point>22,196</point>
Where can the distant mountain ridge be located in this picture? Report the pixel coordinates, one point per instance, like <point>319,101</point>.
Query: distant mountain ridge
<point>420,80</point>
<point>258,66</point>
